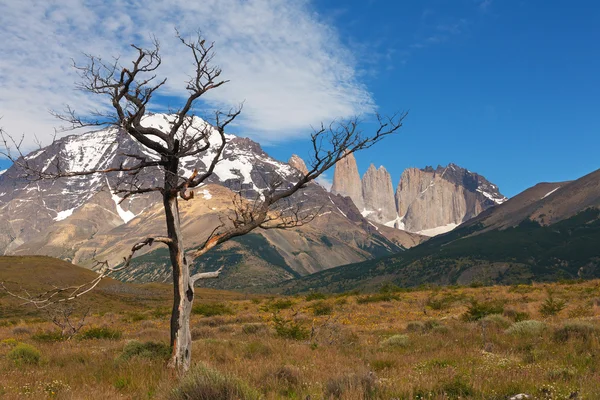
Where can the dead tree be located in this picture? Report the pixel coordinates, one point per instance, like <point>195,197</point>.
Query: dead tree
<point>130,89</point>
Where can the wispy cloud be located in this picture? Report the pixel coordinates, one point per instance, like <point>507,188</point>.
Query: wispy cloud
<point>283,61</point>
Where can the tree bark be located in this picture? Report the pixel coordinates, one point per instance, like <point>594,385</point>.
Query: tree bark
<point>183,287</point>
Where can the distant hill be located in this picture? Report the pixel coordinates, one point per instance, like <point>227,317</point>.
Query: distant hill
<point>37,274</point>
<point>549,232</point>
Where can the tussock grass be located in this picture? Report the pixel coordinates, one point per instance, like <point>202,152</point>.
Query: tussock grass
<point>204,383</point>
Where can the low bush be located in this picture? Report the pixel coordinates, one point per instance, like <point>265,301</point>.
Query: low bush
<point>290,329</point>
<point>526,328</point>
<point>257,349</point>
<point>315,296</point>
<point>102,332</point>
<point>552,306</point>
<point>575,330</point>
<point>497,321</point>
<point>21,331</point>
<point>478,310</point>
<point>422,326</point>
<point>321,308</point>
<point>203,383</point>
<point>48,336</point>
<point>251,329</point>
<point>287,375</point>
<point>395,341</point>
<point>363,385</point>
<point>277,305</point>
<point>149,350</point>
<point>212,309</point>
<point>24,353</point>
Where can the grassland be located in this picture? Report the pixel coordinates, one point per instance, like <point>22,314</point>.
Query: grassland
<point>438,343</point>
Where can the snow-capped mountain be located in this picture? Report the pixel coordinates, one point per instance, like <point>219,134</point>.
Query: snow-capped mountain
<point>74,218</point>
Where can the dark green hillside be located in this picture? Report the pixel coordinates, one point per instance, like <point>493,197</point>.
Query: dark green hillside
<point>569,249</point>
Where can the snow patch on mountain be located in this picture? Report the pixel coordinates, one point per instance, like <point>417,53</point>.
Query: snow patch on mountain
<point>438,230</point>
<point>64,214</point>
<point>550,192</point>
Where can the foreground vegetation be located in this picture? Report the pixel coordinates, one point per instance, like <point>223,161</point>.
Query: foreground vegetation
<point>436,343</point>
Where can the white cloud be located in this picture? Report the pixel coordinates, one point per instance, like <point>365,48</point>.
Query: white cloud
<point>288,66</point>
<point>325,181</point>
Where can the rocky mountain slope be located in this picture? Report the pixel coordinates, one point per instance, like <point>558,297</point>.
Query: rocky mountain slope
<point>426,201</point>
<point>80,218</point>
<point>548,232</point>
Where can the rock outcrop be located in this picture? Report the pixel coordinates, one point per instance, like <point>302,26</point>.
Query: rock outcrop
<point>346,181</point>
<point>378,195</point>
<point>427,201</point>
<point>298,163</point>
<point>436,201</point>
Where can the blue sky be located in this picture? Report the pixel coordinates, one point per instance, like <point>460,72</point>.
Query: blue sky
<point>508,89</point>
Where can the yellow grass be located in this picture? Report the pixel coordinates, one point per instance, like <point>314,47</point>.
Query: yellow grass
<point>346,354</point>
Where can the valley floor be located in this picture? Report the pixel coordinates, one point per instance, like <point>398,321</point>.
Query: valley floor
<point>443,343</point>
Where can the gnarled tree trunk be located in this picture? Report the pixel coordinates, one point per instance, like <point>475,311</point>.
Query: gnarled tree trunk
<point>183,286</point>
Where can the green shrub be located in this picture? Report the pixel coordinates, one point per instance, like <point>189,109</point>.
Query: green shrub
<point>212,309</point>
<point>289,329</point>
<point>526,328</point>
<point>24,353</point>
<point>395,341</point>
<point>496,320</point>
<point>10,342</point>
<point>477,310</point>
<point>322,308</point>
<point>278,305</point>
<point>457,388</point>
<point>377,298</point>
<point>315,296</point>
<point>251,329</point>
<point>552,306</point>
<point>381,365</point>
<point>102,332</point>
<point>203,383</point>
<point>48,336</point>
<point>149,350</point>
<point>575,330</point>
<point>422,326</point>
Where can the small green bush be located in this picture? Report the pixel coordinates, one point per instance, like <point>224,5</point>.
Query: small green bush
<point>395,341</point>
<point>526,328</point>
<point>497,321</point>
<point>315,296</point>
<point>102,332</point>
<point>322,308</point>
<point>477,310</point>
<point>24,353</point>
<point>457,388</point>
<point>212,309</point>
<point>575,330</point>
<point>203,383</point>
<point>149,350</point>
<point>422,326</point>
<point>251,329</point>
<point>381,365</point>
<point>552,306</point>
<point>289,329</point>
<point>48,336</point>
